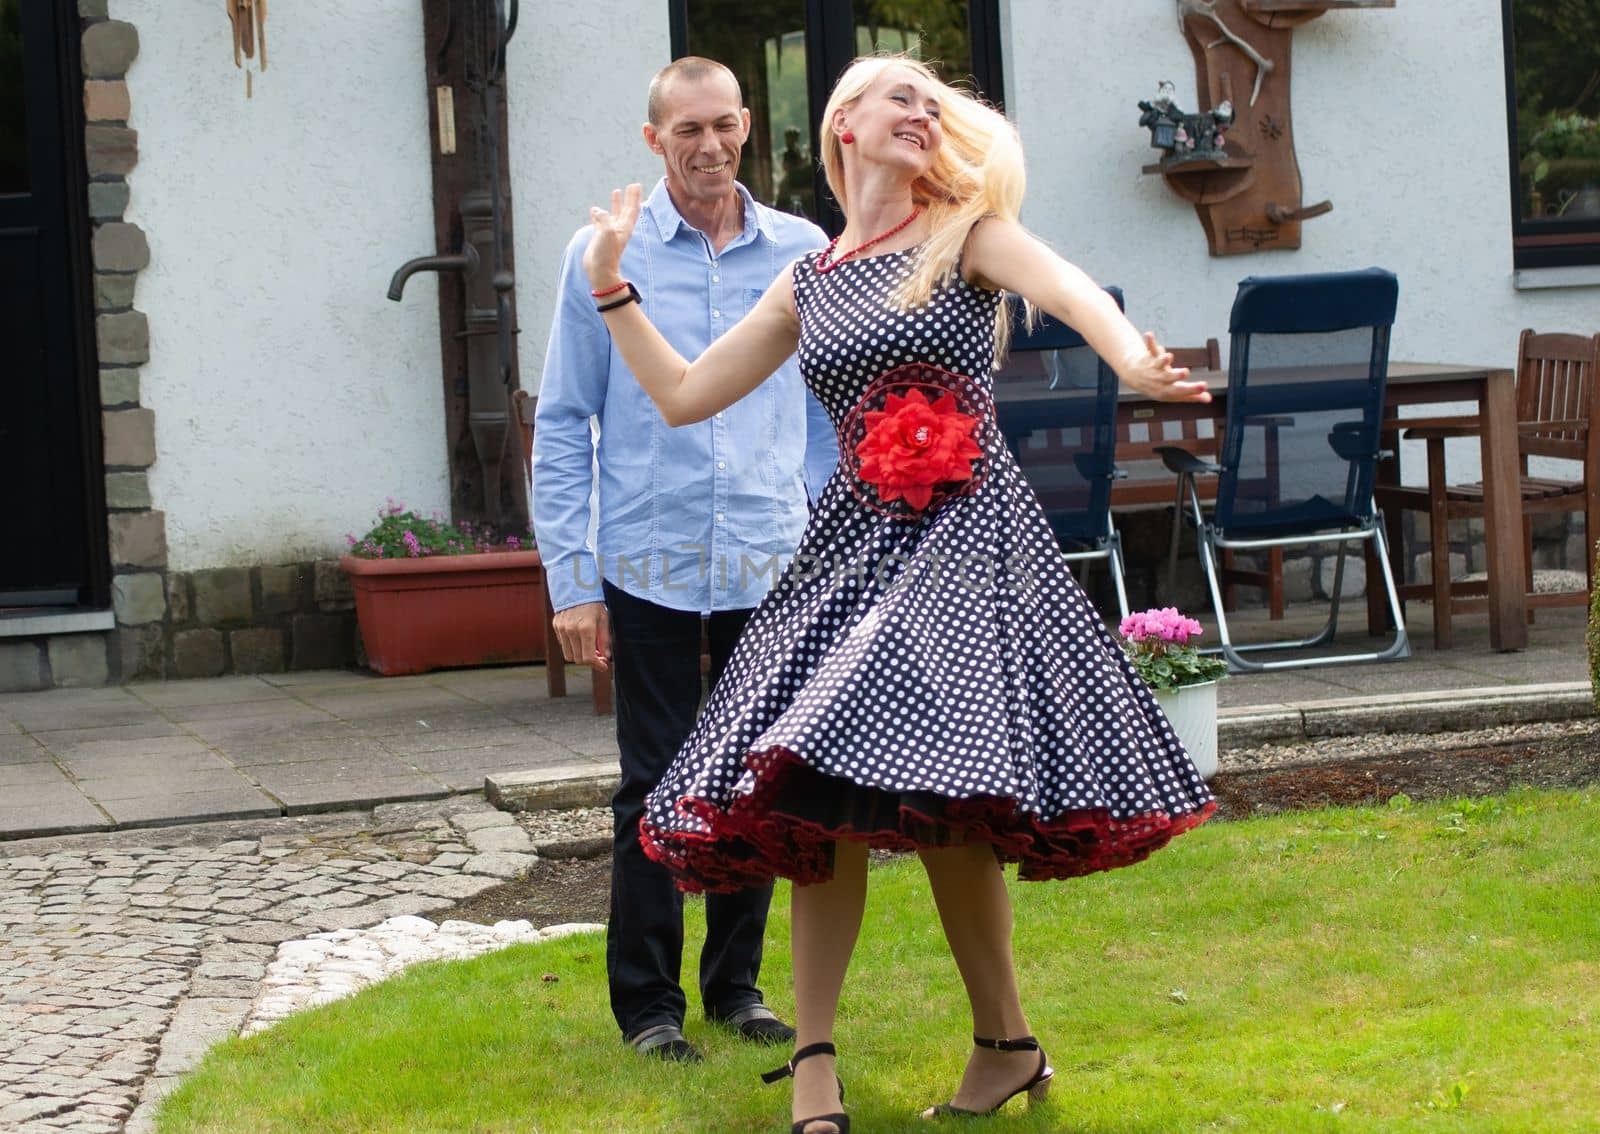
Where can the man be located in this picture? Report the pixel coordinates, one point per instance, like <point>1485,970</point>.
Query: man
<point>694,525</point>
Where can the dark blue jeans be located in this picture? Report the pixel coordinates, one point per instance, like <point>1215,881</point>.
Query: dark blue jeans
<point>655,665</point>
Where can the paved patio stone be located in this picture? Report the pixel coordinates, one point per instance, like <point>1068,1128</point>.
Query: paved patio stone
<point>1391,678</point>
<point>492,735</point>
<point>188,807</point>
<point>64,742</point>
<point>167,766</point>
<point>417,701</point>
<point>217,690</point>
<point>20,775</point>
<point>27,752</point>
<point>466,771</point>
<point>402,722</point>
<point>153,748</point>
<point>1285,688</point>
<point>303,798</point>
<point>303,722</point>
<point>77,717</point>
<point>581,738</point>
<point>146,784</point>
<point>247,753</point>
<point>48,808</point>
<point>261,708</point>
<point>10,702</point>
<point>343,769</point>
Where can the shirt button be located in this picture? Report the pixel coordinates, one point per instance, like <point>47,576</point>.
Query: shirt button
<point>720,517</point>
<point>722,464</point>
<point>716,278</point>
<point>715,314</point>
<point>720,415</point>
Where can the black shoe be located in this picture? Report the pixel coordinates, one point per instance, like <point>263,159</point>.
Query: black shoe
<point>840,1122</point>
<point>756,1023</point>
<point>1037,1087</point>
<point>665,1042</point>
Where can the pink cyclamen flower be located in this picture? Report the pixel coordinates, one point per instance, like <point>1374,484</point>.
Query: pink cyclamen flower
<point>513,543</point>
<point>1161,625</point>
<point>413,544</point>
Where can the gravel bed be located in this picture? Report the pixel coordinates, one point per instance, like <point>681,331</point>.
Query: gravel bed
<point>1339,748</point>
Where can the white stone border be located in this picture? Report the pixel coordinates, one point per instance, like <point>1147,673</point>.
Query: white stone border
<point>329,966</point>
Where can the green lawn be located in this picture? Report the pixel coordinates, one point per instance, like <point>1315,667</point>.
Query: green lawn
<point>1410,968</point>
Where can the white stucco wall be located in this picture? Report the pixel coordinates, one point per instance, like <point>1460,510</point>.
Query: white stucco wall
<point>576,77</point>
<point>1399,120</point>
<point>291,397</point>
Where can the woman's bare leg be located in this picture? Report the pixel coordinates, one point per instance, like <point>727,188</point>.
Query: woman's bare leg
<point>825,920</point>
<point>975,909</point>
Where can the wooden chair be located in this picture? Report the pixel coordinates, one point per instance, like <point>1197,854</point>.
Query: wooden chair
<point>1557,417</point>
<point>555,665</point>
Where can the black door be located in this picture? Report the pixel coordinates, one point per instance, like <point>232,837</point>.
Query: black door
<point>50,469</point>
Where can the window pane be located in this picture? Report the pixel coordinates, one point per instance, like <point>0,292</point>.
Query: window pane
<point>13,111</point>
<point>934,31</point>
<point>1558,109</point>
<point>764,42</point>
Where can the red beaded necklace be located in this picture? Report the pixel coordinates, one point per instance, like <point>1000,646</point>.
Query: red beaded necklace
<point>825,265</point>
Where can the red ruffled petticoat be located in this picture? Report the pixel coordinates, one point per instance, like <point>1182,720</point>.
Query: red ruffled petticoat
<point>787,826</point>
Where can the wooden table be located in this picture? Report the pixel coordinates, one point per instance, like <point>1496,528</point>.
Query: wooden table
<point>1023,407</point>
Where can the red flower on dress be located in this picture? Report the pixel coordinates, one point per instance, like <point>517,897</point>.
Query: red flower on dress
<point>912,446</point>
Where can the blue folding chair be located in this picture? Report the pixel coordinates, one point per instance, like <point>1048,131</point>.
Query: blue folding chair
<point>1306,375</point>
<point>1068,460</point>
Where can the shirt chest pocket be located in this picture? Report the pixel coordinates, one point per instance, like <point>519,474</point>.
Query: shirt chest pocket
<point>752,296</point>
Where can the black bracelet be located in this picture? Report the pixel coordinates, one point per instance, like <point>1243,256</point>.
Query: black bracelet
<point>631,297</point>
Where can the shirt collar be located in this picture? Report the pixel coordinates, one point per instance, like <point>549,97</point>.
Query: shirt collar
<point>669,221</point>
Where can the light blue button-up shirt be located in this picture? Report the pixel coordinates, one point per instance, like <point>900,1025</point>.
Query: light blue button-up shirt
<point>699,517</point>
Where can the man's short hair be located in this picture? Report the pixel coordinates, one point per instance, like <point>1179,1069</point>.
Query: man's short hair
<point>689,68</point>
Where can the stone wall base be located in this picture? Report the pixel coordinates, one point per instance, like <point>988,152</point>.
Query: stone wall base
<point>175,624</point>
<point>302,615</point>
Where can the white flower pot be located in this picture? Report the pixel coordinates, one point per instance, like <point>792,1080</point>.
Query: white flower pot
<point>1192,709</point>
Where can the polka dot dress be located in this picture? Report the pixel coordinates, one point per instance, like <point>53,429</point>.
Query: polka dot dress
<point>925,680</point>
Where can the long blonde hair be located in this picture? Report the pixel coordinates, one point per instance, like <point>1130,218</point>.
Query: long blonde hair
<point>977,172</point>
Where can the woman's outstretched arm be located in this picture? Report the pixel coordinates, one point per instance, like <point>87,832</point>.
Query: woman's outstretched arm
<point>1004,255</point>
<point>730,368</point>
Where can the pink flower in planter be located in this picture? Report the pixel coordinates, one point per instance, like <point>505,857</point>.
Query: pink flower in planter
<point>413,544</point>
<point>1158,645</point>
<point>1163,625</point>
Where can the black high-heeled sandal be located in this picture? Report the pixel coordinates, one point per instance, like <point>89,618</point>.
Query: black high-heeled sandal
<point>1037,1087</point>
<point>840,1121</point>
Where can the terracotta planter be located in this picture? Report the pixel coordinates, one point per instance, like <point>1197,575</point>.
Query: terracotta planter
<point>1192,709</point>
<point>446,611</point>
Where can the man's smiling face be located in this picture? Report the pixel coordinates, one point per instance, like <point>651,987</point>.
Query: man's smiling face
<point>701,132</point>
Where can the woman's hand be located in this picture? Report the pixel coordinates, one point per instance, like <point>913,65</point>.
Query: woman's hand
<point>1153,375</point>
<point>602,260</point>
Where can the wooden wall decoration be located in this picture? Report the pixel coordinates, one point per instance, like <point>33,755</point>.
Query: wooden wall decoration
<point>1249,197</point>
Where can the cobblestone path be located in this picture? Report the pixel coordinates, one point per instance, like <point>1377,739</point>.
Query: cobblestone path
<point>123,957</point>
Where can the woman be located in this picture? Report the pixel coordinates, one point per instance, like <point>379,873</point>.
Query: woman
<point>926,675</point>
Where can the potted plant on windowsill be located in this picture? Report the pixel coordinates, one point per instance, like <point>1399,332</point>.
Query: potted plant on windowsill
<point>435,595</point>
<point>1158,643</point>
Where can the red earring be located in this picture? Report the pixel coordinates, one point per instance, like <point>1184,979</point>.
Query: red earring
<point>847,137</point>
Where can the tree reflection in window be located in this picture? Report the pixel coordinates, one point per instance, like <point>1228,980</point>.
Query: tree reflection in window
<point>770,47</point>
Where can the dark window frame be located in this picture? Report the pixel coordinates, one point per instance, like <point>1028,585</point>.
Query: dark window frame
<point>1544,243</point>
<point>831,45</point>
